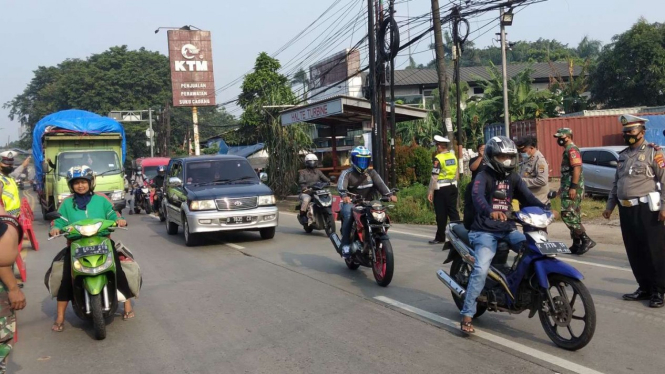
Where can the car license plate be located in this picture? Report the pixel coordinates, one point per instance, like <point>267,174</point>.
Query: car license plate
<point>100,249</point>
<point>239,219</point>
<point>552,248</point>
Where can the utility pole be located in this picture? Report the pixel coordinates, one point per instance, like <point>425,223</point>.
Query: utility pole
<point>393,130</point>
<point>152,133</point>
<point>383,119</point>
<point>506,115</point>
<point>167,122</point>
<point>195,120</point>
<point>457,55</point>
<point>441,69</point>
<point>372,81</point>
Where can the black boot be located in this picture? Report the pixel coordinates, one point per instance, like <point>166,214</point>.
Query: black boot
<point>587,244</point>
<point>302,218</point>
<point>576,245</point>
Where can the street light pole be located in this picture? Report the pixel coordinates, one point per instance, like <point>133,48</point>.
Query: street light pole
<point>506,115</point>
<point>152,133</point>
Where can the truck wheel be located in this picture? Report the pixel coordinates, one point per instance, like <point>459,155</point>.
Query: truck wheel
<point>267,233</point>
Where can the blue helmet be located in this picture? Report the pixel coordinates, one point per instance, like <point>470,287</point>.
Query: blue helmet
<point>361,158</point>
<point>80,172</point>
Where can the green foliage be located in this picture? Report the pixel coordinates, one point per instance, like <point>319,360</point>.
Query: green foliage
<point>414,164</point>
<point>631,70</point>
<point>210,151</point>
<point>266,87</point>
<point>412,206</point>
<point>570,92</point>
<point>464,183</point>
<point>422,162</point>
<point>420,131</point>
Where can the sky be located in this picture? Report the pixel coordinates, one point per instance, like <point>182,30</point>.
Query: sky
<point>45,33</point>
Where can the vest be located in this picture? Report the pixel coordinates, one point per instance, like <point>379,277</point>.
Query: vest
<point>10,196</point>
<point>448,165</point>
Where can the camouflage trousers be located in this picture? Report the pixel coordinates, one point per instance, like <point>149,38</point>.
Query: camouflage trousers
<point>571,213</point>
<point>7,329</point>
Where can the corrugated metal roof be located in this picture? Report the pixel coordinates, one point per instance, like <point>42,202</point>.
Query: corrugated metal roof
<point>411,77</point>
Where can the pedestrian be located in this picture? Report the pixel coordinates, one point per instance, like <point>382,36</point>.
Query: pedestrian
<point>534,170</point>
<point>571,192</point>
<point>638,192</point>
<point>443,187</point>
<point>476,165</point>
<point>11,296</point>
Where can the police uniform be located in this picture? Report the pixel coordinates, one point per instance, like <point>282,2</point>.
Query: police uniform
<point>443,186</point>
<point>640,172</point>
<point>10,193</point>
<point>571,209</point>
<point>535,173</point>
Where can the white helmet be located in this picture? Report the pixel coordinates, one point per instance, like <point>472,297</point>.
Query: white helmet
<point>311,160</point>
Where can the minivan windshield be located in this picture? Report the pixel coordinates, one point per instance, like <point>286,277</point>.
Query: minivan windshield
<point>220,171</point>
<point>99,161</point>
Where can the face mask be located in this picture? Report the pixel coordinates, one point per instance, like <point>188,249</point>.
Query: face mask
<point>507,162</point>
<point>561,142</point>
<point>630,139</point>
<point>525,155</point>
<point>7,169</point>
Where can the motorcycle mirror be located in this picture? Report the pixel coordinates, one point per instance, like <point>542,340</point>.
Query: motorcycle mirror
<point>500,195</point>
<point>263,177</point>
<point>552,194</point>
<point>52,216</point>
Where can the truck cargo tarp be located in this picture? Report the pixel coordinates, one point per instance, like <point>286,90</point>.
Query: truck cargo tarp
<point>73,120</point>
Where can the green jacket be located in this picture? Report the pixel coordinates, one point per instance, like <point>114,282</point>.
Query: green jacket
<point>98,207</point>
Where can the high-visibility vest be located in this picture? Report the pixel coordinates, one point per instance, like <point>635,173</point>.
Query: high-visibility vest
<point>448,165</point>
<point>10,196</point>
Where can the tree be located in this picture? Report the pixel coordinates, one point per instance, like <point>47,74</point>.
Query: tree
<point>266,87</point>
<point>300,77</point>
<point>571,92</point>
<point>631,69</point>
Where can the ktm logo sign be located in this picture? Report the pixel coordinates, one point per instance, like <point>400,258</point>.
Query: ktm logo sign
<point>189,52</point>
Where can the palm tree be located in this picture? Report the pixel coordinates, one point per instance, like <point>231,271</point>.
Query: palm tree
<point>300,77</point>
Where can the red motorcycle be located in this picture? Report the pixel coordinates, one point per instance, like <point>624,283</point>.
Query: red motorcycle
<point>370,244</point>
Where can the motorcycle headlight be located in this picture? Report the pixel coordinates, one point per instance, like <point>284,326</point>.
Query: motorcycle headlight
<point>536,220</point>
<point>379,216</point>
<point>266,200</point>
<point>202,205</point>
<point>88,230</point>
<point>118,195</point>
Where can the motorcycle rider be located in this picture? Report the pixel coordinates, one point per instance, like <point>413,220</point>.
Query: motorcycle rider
<point>490,223</point>
<point>360,181</point>
<point>158,183</point>
<point>82,204</point>
<point>308,177</point>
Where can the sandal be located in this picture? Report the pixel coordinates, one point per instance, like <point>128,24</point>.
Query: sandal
<point>128,315</point>
<point>58,327</point>
<point>467,327</point>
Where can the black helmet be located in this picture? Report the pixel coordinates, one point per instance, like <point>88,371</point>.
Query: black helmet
<point>501,145</point>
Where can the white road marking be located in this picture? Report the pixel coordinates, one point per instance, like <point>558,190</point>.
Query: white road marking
<point>563,363</point>
<point>409,233</point>
<point>234,246</point>
<point>593,264</point>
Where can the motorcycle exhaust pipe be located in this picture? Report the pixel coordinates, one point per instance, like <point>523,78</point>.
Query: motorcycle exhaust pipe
<point>337,243</point>
<point>450,283</point>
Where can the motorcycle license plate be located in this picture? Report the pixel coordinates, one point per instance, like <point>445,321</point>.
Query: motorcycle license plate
<point>239,219</point>
<point>100,249</point>
<point>553,248</point>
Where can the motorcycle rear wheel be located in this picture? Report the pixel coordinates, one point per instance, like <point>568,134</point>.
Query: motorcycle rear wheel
<point>460,272</point>
<point>330,225</point>
<point>98,322</point>
<point>384,263</point>
<point>554,322</point>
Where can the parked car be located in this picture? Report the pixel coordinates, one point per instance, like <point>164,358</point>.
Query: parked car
<point>600,166</point>
<point>216,193</point>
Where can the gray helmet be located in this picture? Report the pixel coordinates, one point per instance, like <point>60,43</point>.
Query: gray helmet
<point>501,145</point>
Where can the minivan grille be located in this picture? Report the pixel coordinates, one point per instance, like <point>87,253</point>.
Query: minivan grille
<point>241,203</point>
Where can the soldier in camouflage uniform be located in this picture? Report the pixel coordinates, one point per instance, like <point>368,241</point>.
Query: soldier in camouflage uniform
<point>572,191</point>
<point>11,297</point>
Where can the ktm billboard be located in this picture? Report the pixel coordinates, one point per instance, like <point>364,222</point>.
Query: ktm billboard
<point>192,75</point>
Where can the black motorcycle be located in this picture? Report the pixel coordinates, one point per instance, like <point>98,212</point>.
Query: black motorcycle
<point>157,202</point>
<point>319,212</point>
<point>142,198</point>
<point>20,181</point>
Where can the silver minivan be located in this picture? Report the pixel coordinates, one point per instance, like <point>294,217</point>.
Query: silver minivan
<point>599,168</point>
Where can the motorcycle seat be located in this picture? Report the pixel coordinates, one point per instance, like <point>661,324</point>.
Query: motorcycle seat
<point>462,233</point>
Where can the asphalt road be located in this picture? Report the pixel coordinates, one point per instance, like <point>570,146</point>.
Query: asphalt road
<point>289,305</point>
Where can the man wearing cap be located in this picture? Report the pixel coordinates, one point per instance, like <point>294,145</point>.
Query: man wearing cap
<point>443,187</point>
<point>10,193</point>
<point>572,191</point>
<point>534,170</point>
<point>638,190</point>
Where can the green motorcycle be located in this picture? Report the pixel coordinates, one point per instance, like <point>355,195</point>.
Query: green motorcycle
<point>93,269</point>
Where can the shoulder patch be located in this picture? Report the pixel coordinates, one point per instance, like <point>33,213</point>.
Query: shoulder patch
<point>575,158</point>
<point>660,160</point>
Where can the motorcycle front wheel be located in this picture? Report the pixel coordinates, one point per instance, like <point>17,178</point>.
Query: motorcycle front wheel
<point>384,262</point>
<point>460,272</point>
<point>98,322</point>
<point>572,322</point>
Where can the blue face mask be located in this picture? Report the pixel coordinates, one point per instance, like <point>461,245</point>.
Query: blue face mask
<point>525,155</point>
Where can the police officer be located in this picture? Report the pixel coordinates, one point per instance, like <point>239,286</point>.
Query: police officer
<point>639,191</point>
<point>443,187</point>
<point>571,192</point>
<point>534,170</point>
<point>10,194</point>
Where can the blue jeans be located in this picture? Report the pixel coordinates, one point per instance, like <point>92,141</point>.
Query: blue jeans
<point>347,223</point>
<point>484,245</point>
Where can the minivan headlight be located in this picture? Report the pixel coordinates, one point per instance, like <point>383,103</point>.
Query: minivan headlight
<point>267,200</point>
<point>202,205</point>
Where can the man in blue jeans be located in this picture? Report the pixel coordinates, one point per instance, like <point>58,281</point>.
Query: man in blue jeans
<point>490,223</point>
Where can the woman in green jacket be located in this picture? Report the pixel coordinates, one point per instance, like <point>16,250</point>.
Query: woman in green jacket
<point>84,203</point>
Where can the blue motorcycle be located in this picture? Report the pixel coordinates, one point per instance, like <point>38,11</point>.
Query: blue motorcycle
<point>537,281</point>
